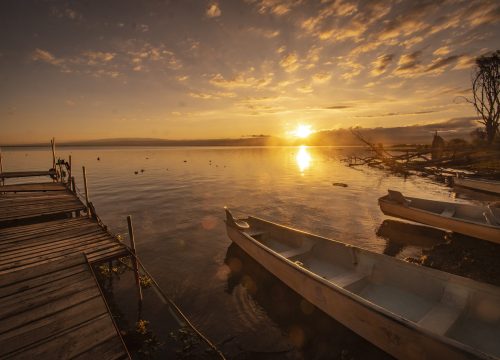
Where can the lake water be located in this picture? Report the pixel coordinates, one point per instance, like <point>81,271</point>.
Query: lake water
<point>176,201</point>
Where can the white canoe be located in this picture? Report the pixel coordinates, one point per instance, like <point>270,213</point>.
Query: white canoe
<point>481,222</point>
<point>490,186</point>
<point>409,311</point>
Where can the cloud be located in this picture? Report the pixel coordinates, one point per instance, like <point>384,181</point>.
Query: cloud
<point>439,64</point>
<point>398,114</point>
<point>45,56</point>
<point>381,63</point>
<point>276,7</point>
<point>96,57</point>
<point>465,62</point>
<point>443,50</point>
<point>212,96</point>
<point>339,107</point>
<point>241,80</point>
<point>322,77</point>
<point>213,10</point>
<point>267,33</point>
<point>354,67</point>
<point>410,21</point>
<point>65,12</point>
<point>290,62</point>
<point>409,64</point>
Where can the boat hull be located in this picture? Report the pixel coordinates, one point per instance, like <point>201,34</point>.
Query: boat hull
<point>391,333</point>
<point>484,232</point>
<point>486,186</point>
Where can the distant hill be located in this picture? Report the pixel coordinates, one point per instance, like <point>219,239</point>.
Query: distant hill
<point>413,134</point>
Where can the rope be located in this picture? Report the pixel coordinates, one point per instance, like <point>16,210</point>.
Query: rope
<point>177,309</point>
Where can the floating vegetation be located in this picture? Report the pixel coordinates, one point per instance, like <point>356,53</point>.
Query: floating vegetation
<point>145,281</point>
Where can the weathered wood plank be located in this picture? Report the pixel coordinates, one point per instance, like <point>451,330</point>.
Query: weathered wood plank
<point>33,229</point>
<point>91,239</point>
<point>41,212</point>
<point>39,292</point>
<point>51,326</point>
<point>46,186</point>
<point>48,309</point>
<point>43,241</point>
<point>43,270</point>
<point>17,174</point>
<point>23,263</point>
<point>52,294</point>
<point>118,250</point>
<point>27,284</point>
<point>74,342</point>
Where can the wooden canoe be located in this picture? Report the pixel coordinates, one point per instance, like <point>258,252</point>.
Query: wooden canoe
<point>490,186</point>
<point>482,222</point>
<point>409,311</point>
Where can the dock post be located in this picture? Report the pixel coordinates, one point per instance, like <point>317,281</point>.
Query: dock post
<point>69,172</point>
<point>1,167</point>
<point>53,145</point>
<point>72,185</point>
<point>86,190</point>
<point>134,260</point>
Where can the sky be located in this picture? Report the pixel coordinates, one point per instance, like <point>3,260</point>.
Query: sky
<point>196,69</point>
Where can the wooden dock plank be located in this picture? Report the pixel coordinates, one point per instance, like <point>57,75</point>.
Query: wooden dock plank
<point>74,342</point>
<point>50,326</point>
<point>46,186</point>
<point>50,302</point>
<point>24,205</point>
<point>18,174</point>
<point>46,313</point>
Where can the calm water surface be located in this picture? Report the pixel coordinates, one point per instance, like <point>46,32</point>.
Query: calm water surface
<point>177,201</point>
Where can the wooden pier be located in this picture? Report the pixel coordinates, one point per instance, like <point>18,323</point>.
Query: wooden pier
<point>50,303</point>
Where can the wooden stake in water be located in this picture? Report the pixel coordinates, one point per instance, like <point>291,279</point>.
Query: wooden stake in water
<point>86,190</point>
<point>134,260</point>
<point>69,173</point>
<point>53,145</point>
<point>1,166</point>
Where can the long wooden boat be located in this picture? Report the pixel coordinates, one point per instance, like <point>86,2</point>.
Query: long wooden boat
<point>476,221</point>
<point>409,311</point>
<point>490,186</point>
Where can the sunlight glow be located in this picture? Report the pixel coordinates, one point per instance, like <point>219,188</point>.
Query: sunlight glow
<point>303,158</point>
<point>303,131</point>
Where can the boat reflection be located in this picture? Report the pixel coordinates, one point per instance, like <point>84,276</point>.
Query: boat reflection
<point>400,235</point>
<point>311,333</point>
<point>469,194</point>
<point>303,158</point>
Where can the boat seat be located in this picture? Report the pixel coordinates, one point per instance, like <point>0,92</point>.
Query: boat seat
<point>346,279</point>
<point>449,211</point>
<point>254,232</point>
<point>399,198</point>
<point>440,319</point>
<point>296,251</point>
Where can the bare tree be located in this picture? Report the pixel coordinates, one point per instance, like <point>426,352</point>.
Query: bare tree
<point>486,91</point>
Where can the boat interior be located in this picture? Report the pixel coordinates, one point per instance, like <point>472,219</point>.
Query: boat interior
<point>443,304</point>
<point>488,214</point>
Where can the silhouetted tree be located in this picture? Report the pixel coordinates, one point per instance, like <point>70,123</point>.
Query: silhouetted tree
<point>486,92</point>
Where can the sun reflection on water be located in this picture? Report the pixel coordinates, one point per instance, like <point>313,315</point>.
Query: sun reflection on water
<point>303,158</point>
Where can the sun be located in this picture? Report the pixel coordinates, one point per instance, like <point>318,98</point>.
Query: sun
<point>303,131</point>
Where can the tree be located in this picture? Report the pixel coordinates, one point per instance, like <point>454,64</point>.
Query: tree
<point>486,91</point>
